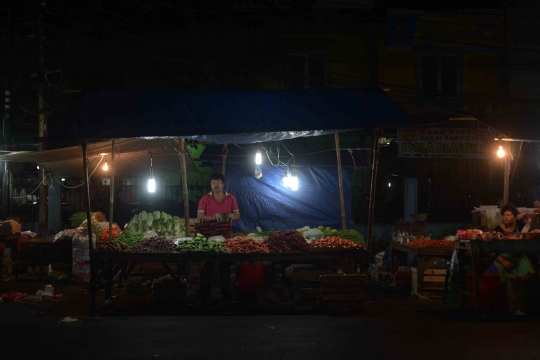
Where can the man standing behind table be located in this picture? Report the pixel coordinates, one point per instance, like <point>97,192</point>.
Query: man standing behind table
<point>218,201</point>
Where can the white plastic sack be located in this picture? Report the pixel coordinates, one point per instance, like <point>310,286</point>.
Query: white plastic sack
<point>313,234</point>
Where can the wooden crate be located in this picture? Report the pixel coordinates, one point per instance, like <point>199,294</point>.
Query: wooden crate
<point>343,292</point>
<point>433,281</point>
<point>306,279</point>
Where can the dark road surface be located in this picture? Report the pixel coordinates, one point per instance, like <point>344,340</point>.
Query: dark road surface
<point>394,326</point>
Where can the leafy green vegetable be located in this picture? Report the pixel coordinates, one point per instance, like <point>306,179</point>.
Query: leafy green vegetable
<point>131,238</point>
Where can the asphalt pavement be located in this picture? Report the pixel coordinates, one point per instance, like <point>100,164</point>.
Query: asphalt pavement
<point>394,326</point>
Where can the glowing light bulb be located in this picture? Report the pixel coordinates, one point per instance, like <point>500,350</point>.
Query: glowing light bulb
<point>293,183</point>
<point>37,167</point>
<point>151,185</point>
<point>105,167</point>
<point>287,180</point>
<point>389,184</point>
<point>258,157</point>
<point>501,152</point>
<point>63,179</point>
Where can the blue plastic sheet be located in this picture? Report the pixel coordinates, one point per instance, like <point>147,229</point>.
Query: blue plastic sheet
<point>267,203</point>
<point>227,116</point>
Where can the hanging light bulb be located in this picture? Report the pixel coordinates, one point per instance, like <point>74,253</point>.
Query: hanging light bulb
<point>151,180</point>
<point>293,183</point>
<point>63,179</point>
<point>152,184</point>
<point>286,179</point>
<point>37,166</point>
<point>258,158</point>
<point>105,167</point>
<point>501,152</point>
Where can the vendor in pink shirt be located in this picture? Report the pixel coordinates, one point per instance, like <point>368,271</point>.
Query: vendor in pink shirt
<point>218,201</point>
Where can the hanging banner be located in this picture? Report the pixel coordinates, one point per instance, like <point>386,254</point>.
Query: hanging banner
<point>460,30</point>
<point>444,143</point>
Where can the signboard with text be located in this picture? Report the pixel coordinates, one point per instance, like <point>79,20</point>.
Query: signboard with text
<point>444,143</point>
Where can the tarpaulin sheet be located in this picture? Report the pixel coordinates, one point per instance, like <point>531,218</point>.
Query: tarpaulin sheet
<point>266,203</point>
<point>132,158</point>
<point>227,116</point>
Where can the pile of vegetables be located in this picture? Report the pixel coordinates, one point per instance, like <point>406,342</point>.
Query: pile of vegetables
<point>79,217</point>
<point>160,222</point>
<point>105,235</point>
<point>200,244</point>
<point>352,235</point>
<point>244,245</point>
<point>115,246</point>
<point>423,243</point>
<point>264,233</point>
<point>96,228</point>
<point>287,241</point>
<point>327,231</point>
<point>335,242</point>
<point>131,238</point>
<point>155,244</point>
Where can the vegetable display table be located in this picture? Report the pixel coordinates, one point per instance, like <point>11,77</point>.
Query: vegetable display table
<point>434,252</point>
<point>4,239</point>
<point>113,263</point>
<point>482,254</point>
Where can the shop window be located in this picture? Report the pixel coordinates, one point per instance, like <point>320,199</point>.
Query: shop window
<point>307,71</point>
<point>439,76</point>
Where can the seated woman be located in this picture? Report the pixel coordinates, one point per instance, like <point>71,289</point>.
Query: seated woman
<point>511,266</point>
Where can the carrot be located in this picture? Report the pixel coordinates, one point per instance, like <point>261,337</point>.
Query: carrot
<point>105,235</point>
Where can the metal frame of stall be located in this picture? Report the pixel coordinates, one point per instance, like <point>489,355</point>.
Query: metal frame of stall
<point>182,148</point>
<point>121,264</point>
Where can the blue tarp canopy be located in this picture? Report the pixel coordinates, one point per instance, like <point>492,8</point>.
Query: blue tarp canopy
<point>227,116</point>
<point>266,203</point>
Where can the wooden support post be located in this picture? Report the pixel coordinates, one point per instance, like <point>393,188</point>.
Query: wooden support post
<point>111,201</point>
<point>89,220</point>
<point>224,158</point>
<point>184,183</point>
<point>340,177</point>
<point>374,167</point>
<point>506,160</point>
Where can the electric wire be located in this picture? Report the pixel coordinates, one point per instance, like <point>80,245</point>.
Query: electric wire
<point>41,183</point>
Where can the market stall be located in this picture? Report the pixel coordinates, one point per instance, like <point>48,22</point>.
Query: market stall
<point>481,253</point>
<point>223,117</point>
<point>427,253</point>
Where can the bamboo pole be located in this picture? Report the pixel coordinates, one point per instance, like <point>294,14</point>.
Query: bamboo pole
<point>374,168</point>
<point>224,161</point>
<point>506,191</point>
<point>184,183</point>
<point>340,176</point>
<point>111,201</point>
<point>89,221</point>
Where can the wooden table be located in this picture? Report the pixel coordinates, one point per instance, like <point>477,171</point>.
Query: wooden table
<point>435,252</point>
<point>113,263</point>
<point>4,239</point>
<point>46,252</point>
<point>479,249</point>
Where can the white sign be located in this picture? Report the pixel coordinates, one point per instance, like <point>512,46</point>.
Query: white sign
<point>444,143</point>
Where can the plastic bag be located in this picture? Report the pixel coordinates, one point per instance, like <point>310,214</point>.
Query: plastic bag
<point>313,234</point>
<point>251,279</point>
<point>403,277</point>
<point>150,234</point>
